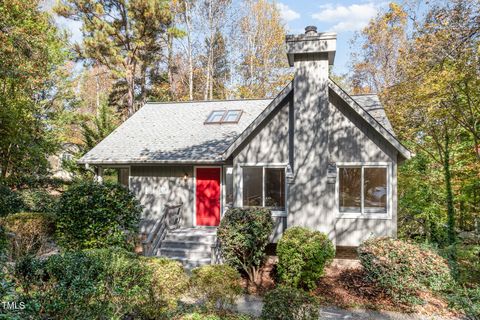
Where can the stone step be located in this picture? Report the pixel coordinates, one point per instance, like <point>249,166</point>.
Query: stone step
<point>192,245</point>
<point>190,264</point>
<point>190,237</point>
<point>185,253</point>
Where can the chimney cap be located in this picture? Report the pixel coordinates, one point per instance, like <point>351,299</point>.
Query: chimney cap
<point>310,30</point>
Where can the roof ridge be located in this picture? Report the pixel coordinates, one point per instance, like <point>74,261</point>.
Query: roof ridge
<point>204,101</point>
<point>363,94</point>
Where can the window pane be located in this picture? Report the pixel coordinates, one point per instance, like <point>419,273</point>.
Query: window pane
<point>229,187</point>
<point>275,188</point>
<point>216,116</point>
<point>232,116</point>
<point>252,186</point>
<point>350,189</point>
<point>375,190</point>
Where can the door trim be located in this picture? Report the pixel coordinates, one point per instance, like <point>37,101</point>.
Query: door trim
<point>195,192</point>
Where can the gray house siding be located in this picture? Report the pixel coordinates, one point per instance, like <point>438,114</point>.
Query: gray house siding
<point>268,145</point>
<point>352,140</point>
<point>155,186</point>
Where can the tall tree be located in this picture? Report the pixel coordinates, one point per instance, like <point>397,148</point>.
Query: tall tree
<point>261,45</point>
<point>30,55</point>
<point>426,70</point>
<point>374,67</point>
<point>126,36</point>
<point>213,14</point>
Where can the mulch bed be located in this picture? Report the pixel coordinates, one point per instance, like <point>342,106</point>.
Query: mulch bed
<point>344,285</point>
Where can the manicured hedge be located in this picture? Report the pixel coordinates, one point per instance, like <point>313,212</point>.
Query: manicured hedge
<point>244,234</point>
<point>302,257</point>
<point>402,268</point>
<point>92,215</point>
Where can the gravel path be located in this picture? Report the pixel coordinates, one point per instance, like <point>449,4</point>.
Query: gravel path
<point>252,305</point>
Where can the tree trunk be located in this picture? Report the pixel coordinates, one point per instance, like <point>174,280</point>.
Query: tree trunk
<point>189,48</point>
<point>449,191</point>
<point>130,78</point>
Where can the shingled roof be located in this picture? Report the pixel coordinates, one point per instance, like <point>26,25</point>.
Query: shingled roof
<point>176,133</point>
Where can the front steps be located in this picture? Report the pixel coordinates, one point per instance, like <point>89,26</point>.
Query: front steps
<point>191,246</point>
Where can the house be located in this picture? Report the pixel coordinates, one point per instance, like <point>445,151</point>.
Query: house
<point>316,156</point>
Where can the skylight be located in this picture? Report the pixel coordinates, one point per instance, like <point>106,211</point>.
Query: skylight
<point>224,116</point>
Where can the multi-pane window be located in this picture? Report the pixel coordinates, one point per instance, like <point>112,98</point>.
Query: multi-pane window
<point>363,189</point>
<point>264,187</point>
<point>224,116</point>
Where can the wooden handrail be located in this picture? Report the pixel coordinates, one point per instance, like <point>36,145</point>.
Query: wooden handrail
<point>159,230</point>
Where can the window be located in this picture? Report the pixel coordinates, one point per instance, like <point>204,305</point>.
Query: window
<point>232,116</point>
<point>264,187</point>
<point>215,117</point>
<point>224,116</point>
<point>362,189</point>
<point>252,187</point>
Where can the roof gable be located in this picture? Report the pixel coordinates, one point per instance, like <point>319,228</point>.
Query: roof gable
<point>374,122</point>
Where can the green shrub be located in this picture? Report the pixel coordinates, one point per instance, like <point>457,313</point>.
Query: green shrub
<point>244,234</point>
<point>91,215</point>
<point>467,299</point>
<point>99,284</point>
<point>10,201</point>
<point>286,303</point>
<point>168,283</point>
<point>38,200</point>
<point>61,287</point>
<point>31,232</point>
<point>302,257</point>
<point>216,285</point>
<point>402,268</point>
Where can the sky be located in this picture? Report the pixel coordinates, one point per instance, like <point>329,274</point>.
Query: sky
<point>343,17</point>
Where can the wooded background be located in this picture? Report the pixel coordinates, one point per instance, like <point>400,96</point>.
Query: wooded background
<point>424,64</point>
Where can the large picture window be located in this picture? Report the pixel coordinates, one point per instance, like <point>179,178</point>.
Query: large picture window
<point>264,187</point>
<point>363,189</point>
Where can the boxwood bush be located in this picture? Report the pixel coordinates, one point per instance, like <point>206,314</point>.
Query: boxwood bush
<point>10,201</point>
<point>92,215</point>
<point>302,257</point>
<point>286,303</point>
<point>31,232</point>
<point>216,285</point>
<point>402,268</point>
<point>244,234</point>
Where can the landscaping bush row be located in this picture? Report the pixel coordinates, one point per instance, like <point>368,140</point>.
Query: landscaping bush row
<point>113,283</point>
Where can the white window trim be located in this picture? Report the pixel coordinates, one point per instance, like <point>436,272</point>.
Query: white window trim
<point>362,214</point>
<point>275,213</point>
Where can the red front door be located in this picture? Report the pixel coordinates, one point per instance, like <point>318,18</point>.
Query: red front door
<point>208,196</point>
